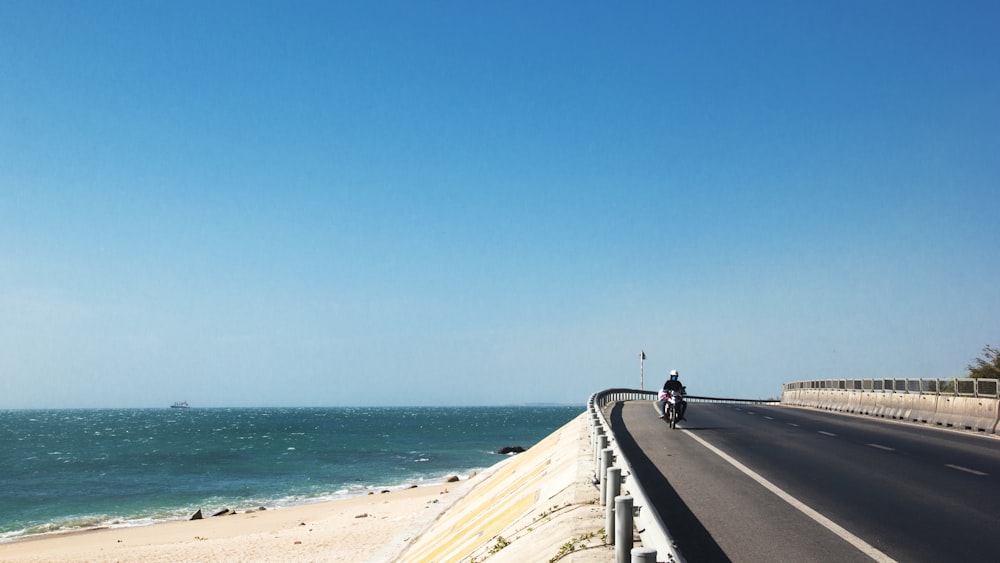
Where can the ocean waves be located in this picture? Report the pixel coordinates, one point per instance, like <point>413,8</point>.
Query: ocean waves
<point>77,469</point>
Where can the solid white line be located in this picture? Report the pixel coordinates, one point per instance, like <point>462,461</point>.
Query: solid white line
<point>850,538</point>
<point>881,447</point>
<point>827,433</point>
<point>966,469</point>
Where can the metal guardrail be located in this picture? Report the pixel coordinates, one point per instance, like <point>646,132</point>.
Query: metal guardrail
<point>697,399</point>
<point>653,532</point>
<point>609,396</point>
<point>956,386</point>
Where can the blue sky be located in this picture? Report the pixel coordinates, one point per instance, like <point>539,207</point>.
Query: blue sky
<point>461,203</point>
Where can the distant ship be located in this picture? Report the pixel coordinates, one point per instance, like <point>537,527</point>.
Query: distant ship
<point>180,405</point>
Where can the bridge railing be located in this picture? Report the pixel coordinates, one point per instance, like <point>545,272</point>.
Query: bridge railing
<point>697,399</point>
<point>960,403</point>
<point>955,386</point>
<point>609,396</point>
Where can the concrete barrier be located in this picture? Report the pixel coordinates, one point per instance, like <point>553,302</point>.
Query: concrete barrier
<point>854,402</point>
<point>898,406</point>
<point>922,408</point>
<point>880,405</point>
<point>868,402</point>
<point>829,399</point>
<point>980,414</point>
<point>968,413</point>
<point>801,397</point>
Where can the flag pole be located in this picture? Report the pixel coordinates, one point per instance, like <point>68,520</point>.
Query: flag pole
<point>642,358</point>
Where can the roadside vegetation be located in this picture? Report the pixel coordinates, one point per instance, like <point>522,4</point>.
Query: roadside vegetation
<point>986,366</point>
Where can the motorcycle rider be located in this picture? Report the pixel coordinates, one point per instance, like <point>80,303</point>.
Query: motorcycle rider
<point>674,385</point>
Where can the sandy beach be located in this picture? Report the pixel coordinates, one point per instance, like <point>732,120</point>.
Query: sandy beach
<point>366,528</point>
<point>539,502</point>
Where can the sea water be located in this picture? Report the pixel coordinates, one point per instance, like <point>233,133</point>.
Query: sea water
<point>62,470</point>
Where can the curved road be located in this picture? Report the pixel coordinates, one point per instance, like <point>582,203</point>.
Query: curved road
<point>774,483</point>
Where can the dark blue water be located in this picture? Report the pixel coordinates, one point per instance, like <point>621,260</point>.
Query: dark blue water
<point>68,469</point>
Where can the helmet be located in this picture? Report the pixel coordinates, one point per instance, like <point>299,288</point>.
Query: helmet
<point>674,374</point>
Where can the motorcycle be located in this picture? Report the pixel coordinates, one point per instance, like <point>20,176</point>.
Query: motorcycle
<point>668,404</point>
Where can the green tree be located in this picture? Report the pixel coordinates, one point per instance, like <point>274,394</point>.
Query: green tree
<point>986,366</point>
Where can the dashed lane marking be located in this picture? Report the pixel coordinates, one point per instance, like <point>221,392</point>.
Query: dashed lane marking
<point>966,469</point>
<point>862,545</point>
<point>881,447</point>
<point>825,433</point>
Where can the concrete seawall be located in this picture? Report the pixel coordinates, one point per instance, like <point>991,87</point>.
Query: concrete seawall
<point>539,505</point>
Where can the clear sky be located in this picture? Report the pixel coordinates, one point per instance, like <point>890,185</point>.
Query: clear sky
<point>464,203</point>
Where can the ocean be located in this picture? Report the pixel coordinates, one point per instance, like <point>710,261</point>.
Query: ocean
<point>63,470</point>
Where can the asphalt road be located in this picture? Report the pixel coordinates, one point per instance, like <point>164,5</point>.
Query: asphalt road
<point>876,489</point>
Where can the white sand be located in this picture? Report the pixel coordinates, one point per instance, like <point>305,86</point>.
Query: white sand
<point>329,531</point>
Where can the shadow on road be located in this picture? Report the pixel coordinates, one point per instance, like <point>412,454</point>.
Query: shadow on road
<point>693,540</point>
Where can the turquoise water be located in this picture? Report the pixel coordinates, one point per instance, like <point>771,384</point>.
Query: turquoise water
<point>71,469</point>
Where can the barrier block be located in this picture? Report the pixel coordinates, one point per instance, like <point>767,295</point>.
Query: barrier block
<point>842,400</point>
<point>853,402</point>
<point>889,398</point>
<point>922,408</point>
<point>831,400</point>
<point>811,398</point>
<point>896,408</point>
<point>882,405</point>
<point>969,413</point>
<point>801,397</point>
<point>867,403</point>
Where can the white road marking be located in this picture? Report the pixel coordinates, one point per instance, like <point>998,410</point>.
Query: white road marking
<point>850,538</point>
<point>793,424</point>
<point>827,433</point>
<point>769,417</point>
<point>881,447</point>
<point>966,469</point>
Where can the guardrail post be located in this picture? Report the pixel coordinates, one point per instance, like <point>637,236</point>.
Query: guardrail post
<point>602,444</point>
<point>623,528</point>
<point>598,428</point>
<point>598,432</point>
<point>593,439</point>
<point>606,455</point>
<point>643,555</point>
<point>614,488</point>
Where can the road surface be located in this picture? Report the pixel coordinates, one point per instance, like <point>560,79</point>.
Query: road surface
<point>775,483</point>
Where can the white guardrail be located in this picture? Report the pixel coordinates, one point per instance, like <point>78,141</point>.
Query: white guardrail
<point>659,545</point>
<point>968,404</point>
